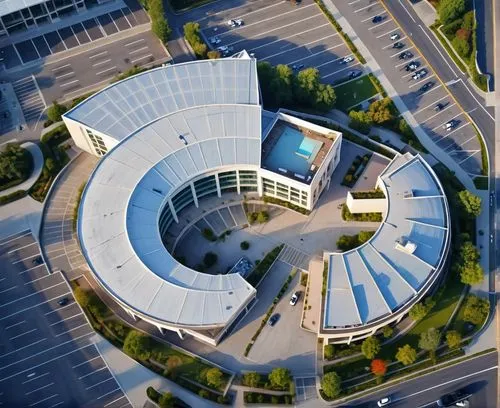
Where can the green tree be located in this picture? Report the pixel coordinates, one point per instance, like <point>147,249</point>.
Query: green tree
<point>382,111</point>
<point>364,236</point>
<point>387,331</point>
<point>210,259</point>
<point>471,203</point>
<point>262,217</point>
<point>266,73</point>
<point>471,273</point>
<point>468,252</point>
<point>418,311</point>
<point>55,112</point>
<point>449,10</point>
<point>280,377</point>
<point>251,379</point>
<point>281,85</point>
<point>347,242</point>
<point>370,347</point>
<point>159,25</point>
<point>81,296</point>
<point>309,91</point>
<point>331,384</point>
<point>51,165</point>
<point>214,377</point>
<point>406,355</point>
<point>429,341</point>
<point>476,309</point>
<point>360,121</point>
<point>453,339</point>
<point>329,351</point>
<point>192,35</point>
<point>137,345</point>
<point>462,46</point>
<point>213,54</point>
<point>15,162</point>
<point>166,400</point>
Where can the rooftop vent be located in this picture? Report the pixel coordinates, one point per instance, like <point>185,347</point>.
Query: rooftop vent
<point>405,245</point>
<point>181,137</point>
<point>408,194</point>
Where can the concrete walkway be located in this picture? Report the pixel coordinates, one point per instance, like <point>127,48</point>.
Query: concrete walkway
<point>37,157</point>
<point>134,378</point>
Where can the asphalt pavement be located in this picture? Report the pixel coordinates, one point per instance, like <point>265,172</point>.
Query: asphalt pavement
<point>47,356</point>
<point>485,45</point>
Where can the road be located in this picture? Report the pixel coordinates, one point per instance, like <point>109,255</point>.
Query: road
<point>485,54</point>
<point>478,376</point>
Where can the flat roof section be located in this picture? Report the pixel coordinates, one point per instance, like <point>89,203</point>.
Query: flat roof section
<point>402,259</point>
<point>294,151</point>
<point>9,6</point>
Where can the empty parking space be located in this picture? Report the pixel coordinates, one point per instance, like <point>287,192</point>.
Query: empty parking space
<point>107,24</point>
<point>47,357</point>
<point>80,33</point>
<point>428,100</point>
<point>281,33</point>
<point>93,29</point>
<point>120,20</point>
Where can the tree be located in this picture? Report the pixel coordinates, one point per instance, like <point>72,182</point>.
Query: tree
<point>418,311</point>
<point>309,91</point>
<point>468,252</point>
<point>244,245</point>
<point>370,347</point>
<point>137,345</point>
<point>476,309</point>
<point>364,236</point>
<point>378,367</point>
<point>251,379</point>
<point>266,73</point>
<point>210,259</point>
<point>331,384</point>
<point>453,339</point>
<point>471,273</point>
<point>461,45</point>
<point>429,341</point>
<point>213,54</point>
<point>329,351</point>
<point>471,203</point>
<point>159,25</point>
<point>51,165</point>
<point>387,331</point>
<point>449,10</point>
<point>406,354</point>
<point>280,377</point>
<point>360,121</point>
<point>262,217</point>
<point>15,162</point>
<point>214,377</point>
<point>347,242</point>
<point>281,85</point>
<point>55,112</point>
<point>192,35</point>
<point>166,400</point>
<point>382,111</point>
<point>81,296</point>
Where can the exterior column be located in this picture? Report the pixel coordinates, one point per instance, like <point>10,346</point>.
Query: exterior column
<point>219,194</point>
<point>260,185</point>
<point>349,341</point>
<point>174,213</point>
<point>399,319</point>
<point>161,329</point>
<point>195,197</point>
<point>181,335</point>
<point>238,188</point>
<point>131,314</point>
<point>373,332</point>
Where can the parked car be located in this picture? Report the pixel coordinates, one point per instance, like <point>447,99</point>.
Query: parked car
<point>347,59</point>
<point>215,40</point>
<point>412,66</point>
<point>398,45</point>
<point>426,87</point>
<point>62,302</point>
<point>405,55</point>
<point>273,319</point>
<point>383,402</point>
<point>37,261</point>
<point>439,107</point>
<point>450,125</point>
<point>354,74</point>
<point>295,298</point>
<point>235,23</point>
<point>297,67</point>
<point>395,37</point>
<point>453,399</point>
<point>376,19</point>
<point>420,74</point>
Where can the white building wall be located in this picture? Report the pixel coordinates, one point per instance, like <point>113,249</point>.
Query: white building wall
<point>80,135</point>
<point>365,205</point>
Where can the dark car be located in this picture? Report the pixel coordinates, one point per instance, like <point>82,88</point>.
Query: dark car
<point>412,66</point>
<point>37,261</point>
<point>405,55</point>
<point>426,87</point>
<point>273,319</point>
<point>453,399</point>
<point>62,302</point>
<point>377,19</point>
<point>439,107</point>
<point>354,74</point>
<point>398,45</point>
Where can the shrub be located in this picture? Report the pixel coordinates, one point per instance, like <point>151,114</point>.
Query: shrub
<point>208,234</point>
<point>406,355</point>
<point>192,35</point>
<point>137,345</point>
<point>387,331</point>
<point>329,352</point>
<point>159,25</point>
<point>280,377</point>
<point>461,46</point>
<point>331,384</point>
<point>213,54</point>
<point>210,259</point>
<point>81,296</point>
<point>16,195</point>
<point>153,394</point>
<point>453,339</point>
<point>262,217</point>
<point>55,112</point>
<point>378,367</point>
<point>450,10</point>
<point>251,379</point>
<point>214,377</point>
<point>360,121</point>
<point>370,347</point>
<point>476,309</point>
<point>244,245</point>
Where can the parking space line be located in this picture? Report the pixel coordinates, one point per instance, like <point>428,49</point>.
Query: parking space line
<point>138,50</point>
<point>102,396</point>
<point>112,402</point>
<point>401,51</point>
<point>57,404</point>
<point>68,318</point>
<point>62,41</point>
<point>413,72</point>
<point>453,131</point>
<point>86,361</point>
<point>38,389</point>
<point>375,15</point>
<point>74,34</point>
<point>7,290</point>
<point>99,383</point>
<point>317,53</point>
<point>134,42</point>
<point>69,83</point>
<point>45,399</point>
<point>392,44</point>
<point>240,16</point>
<point>22,348</point>
<point>433,103</point>
<point>441,125</point>
<point>441,111</point>
<point>365,7</point>
<point>420,81</point>
<point>96,55</point>
<point>101,62</point>
<point>141,58</point>
<point>24,259</point>
<point>381,24</point>
<point>340,70</point>
<point>463,143</point>
<point>74,328</point>
<point>35,378</point>
<point>32,294</point>
<point>65,75</point>
<point>15,324</point>
<point>467,158</point>
<point>387,33</point>
<point>299,46</point>
<point>106,70</point>
<point>113,20</point>
<point>10,239</point>
<point>25,246</point>
<point>31,307</point>
<point>22,334</point>
<point>93,372</point>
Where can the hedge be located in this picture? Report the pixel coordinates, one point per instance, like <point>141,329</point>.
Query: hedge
<point>371,217</point>
<point>56,136</point>
<point>368,194</point>
<point>263,266</point>
<point>287,204</point>
<point>16,195</point>
<point>263,398</point>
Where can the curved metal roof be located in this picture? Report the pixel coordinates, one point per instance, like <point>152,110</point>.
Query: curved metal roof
<point>118,216</point>
<point>407,251</point>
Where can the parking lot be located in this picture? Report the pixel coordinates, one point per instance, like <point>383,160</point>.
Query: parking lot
<point>434,107</point>
<point>47,357</point>
<point>282,33</point>
<point>71,36</point>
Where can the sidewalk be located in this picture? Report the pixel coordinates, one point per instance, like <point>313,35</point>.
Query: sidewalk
<point>37,157</point>
<point>375,68</point>
<point>134,378</point>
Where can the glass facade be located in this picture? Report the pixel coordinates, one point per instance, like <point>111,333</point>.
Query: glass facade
<point>284,192</point>
<point>99,146</point>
